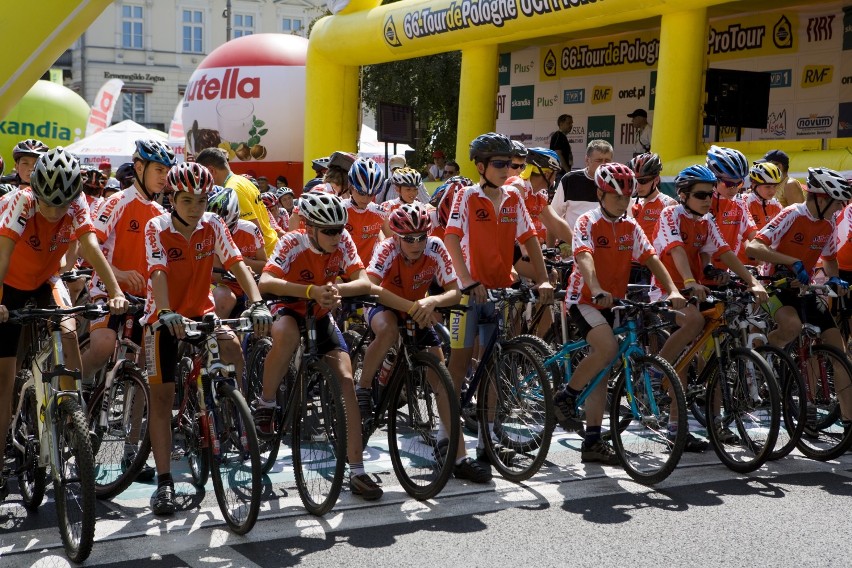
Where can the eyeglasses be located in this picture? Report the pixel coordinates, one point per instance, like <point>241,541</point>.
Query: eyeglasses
<point>501,164</point>
<point>412,239</point>
<point>645,180</point>
<point>731,184</point>
<point>702,195</point>
<point>335,232</point>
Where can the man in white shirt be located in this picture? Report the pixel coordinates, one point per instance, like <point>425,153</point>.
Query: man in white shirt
<point>642,142</point>
<point>577,193</point>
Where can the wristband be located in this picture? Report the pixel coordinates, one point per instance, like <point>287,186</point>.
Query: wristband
<point>411,309</point>
<point>688,280</point>
<point>165,311</point>
<point>308,291</point>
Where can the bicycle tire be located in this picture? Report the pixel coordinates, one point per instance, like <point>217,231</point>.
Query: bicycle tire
<point>111,475</point>
<point>319,439</point>
<point>792,388</point>
<point>751,405</point>
<point>643,444</point>
<point>74,481</point>
<point>413,422</point>
<point>268,446</point>
<point>236,469</point>
<point>188,431</point>
<point>827,437</point>
<point>32,480</point>
<point>515,396</point>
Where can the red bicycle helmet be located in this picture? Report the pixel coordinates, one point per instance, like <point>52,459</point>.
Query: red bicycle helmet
<point>191,177</point>
<point>615,178</point>
<point>410,218</point>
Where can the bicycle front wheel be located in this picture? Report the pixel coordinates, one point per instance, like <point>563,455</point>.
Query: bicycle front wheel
<point>640,414</point>
<point>319,439</point>
<point>413,423</point>
<point>188,437</point>
<point>515,408</point>
<point>793,396</point>
<point>31,479</point>
<point>826,435</point>
<point>236,467</point>
<point>122,441</point>
<point>743,410</point>
<point>74,481</point>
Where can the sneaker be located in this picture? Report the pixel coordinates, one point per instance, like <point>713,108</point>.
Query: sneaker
<point>472,470</point>
<point>565,407</point>
<point>504,454</point>
<point>145,475</point>
<point>600,452</point>
<point>726,435</point>
<point>694,445</point>
<point>164,501</point>
<point>365,402</point>
<point>364,486</point>
<point>264,417</point>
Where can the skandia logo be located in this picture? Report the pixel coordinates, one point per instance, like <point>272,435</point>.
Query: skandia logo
<point>600,134</point>
<point>230,86</point>
<point>814,122</point>
<point>522,103</point>
<point>46,129</point>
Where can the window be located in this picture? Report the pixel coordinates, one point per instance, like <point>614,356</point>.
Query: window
<point>291,25</point>
<point>133,106</point>
<point>193,27</point>
<point>131,27</point>
<point>243,25</point>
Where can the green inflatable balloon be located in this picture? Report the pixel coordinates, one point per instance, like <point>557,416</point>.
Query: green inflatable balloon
<point>54,114</point>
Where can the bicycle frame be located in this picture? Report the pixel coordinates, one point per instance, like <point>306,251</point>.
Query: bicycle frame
<point>124,346</point>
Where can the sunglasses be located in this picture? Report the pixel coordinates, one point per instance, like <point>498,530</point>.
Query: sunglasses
<point>731,184</point>
<point>502,164</point>
<point>335,232</point>
<point>411,239</point>
<point>702,195</point>
<point>645,180</point>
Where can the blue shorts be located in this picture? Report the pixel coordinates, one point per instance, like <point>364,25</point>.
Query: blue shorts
<point>479,319</point>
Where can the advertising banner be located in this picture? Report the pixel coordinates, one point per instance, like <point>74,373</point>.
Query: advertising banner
<point>101,114</point>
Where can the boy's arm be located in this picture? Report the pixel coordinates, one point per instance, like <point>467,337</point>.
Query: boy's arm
<point>91,251</point>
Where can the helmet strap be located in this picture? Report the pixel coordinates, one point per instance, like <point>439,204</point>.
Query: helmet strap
<point>314,241</point>
<point>144,189</point>
<point>687,207</point>
<point>179,218</point>
<point>487,181</point>
<point>821,212</point>
<point>609,215</point>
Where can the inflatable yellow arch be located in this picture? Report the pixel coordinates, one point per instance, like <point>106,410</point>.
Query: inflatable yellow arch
<point>365,33</point>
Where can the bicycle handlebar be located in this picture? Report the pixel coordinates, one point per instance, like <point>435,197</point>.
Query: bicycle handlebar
<point>88,311</point>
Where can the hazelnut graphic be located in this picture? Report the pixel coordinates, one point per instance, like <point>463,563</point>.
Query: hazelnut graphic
<point>243,152</point>
<point>258,152</point>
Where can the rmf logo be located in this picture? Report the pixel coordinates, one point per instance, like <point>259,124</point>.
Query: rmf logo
<point>601,94</point>
<point>816,75</point>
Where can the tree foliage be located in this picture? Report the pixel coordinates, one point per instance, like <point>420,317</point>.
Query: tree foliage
<point>430,85</point>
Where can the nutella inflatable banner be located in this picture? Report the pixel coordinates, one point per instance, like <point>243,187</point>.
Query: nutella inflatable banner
<point>101,114</point>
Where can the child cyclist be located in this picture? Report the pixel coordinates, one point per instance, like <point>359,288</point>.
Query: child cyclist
<point>180,248</point>
<point>407,182</point>
<point>605,243</point>
<point>228,297</point>
<point>761,203</point>
<point>37,225</point>
<point>486,220</point>
<point>684,233</point>
<point>404,266</point>
<point>728,208</point>
<point>647,168</point>
<point>366,220</point>
<point>306,264</point>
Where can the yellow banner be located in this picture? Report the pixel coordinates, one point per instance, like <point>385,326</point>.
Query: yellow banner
<point>627,52</point>
<point>772,33</point>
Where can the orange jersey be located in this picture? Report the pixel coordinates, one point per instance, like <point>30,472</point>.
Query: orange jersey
<point>761,211</point>
<point>796,233</point>
<point>535,202</point>
<point>390,206</point>
<point>39,244</point>
<point>677,228</point>
<point>735,226</point>
<point>613,245</point>
<point>187,264</point>
<point>411,281</point>
<point>647,212</point>
<point>249,239</point>
<point>488,238</point>
<point>294,260</point>
<point>365,227</point>
<point>120,228</point>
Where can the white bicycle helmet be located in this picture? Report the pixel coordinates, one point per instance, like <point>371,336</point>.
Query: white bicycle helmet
<point>829,182</point>
<point>366,176</point>
<point>406,176</point>
<point>226,205</point>
<point>322,210</point>
<point>56,179</point>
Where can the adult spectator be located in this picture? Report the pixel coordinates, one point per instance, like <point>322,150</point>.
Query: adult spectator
<point>577,192</point>
<point>451,169</point>
<point>263,184</point>
<point>106,169</point>
<point>251,207</point>
<point>559,142</point>
<point>436,170</point>
<point>281,181</point>
<point>790,190</point>
<point>642,139</point>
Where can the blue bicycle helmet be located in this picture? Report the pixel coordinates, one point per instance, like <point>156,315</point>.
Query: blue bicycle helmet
<point>543,158</point>
<point>366,176</point>
<point>728,164</point>
<point>154,151</point>
<point>692,175</point>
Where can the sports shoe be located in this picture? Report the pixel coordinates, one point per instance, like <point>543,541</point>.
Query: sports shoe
<point>164,501</point>
<point>693,445</point>
<point>600,452</point>
<point>504,454</point>
<point>264,417</point>
<point>565,407</point>
<point>364,486</point>
<point>726,435</point>
<point>365,402</point>
<point>144,475</point>
<point>472,470</point>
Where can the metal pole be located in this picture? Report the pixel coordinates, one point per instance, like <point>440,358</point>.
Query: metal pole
<point>227,15</point>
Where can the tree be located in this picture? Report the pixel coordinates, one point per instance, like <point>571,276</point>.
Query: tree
<point>430,85</point>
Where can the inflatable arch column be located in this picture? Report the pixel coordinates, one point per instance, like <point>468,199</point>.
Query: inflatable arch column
<point>477,101</point>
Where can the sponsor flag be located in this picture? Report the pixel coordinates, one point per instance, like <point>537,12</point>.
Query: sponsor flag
<point>101,114</point>
<point>56,76</point>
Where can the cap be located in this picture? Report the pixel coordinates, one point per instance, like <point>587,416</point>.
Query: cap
<point>437,154</point>
<point>396,162</point>
<point>104,166</point>
<point>638,112</point>
<point>779,156</point>
<point>264,178</point>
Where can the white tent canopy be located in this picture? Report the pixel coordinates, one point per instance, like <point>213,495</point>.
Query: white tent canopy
<point>115,144</point>
<point>370,147</point>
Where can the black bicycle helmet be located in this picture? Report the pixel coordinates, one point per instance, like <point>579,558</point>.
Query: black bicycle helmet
<point>486,146</point>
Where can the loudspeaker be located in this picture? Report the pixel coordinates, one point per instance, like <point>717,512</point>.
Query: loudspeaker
<point>737,98</point>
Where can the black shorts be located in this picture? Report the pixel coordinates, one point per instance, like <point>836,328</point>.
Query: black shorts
<point>45,295</point>
<point>589,320</point>
<point>811,309</point>
<point>423,336</point>
<point>329,337</point>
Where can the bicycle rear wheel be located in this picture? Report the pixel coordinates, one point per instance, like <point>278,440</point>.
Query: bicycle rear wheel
<point>641,436</point>
<point>744,428</point>
<point>126,428</point>
<point>31,480</point>
<point>319,439</point>
<point>236,468</point>
<point>413,423</point>
<point>74,481</point>
<point>826,435</point>
<point>793,396</point>
<point>515,408</point>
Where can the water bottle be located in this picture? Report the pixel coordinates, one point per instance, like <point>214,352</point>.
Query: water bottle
<point>387,365</point>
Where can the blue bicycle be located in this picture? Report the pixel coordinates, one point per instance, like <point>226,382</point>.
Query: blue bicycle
<point>645,396</point>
